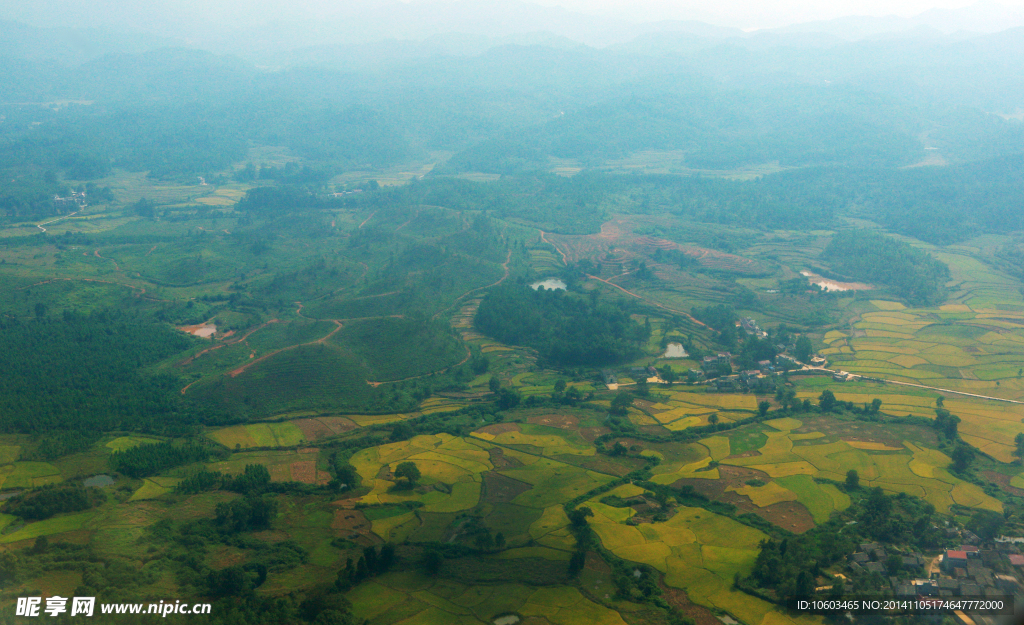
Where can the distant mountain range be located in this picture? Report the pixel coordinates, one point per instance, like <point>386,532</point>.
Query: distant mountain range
<point>357,32</point>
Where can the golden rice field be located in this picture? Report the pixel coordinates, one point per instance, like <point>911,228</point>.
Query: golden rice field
<point>915,470</point>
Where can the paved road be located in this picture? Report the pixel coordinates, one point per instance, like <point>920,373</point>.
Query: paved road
<point>930,388</point>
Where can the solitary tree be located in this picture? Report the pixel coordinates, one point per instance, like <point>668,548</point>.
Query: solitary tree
<point>713,418</point>
<point>408,470</point>
<point>962,457</point>
<point>559,386</point>
<point>803,349</point>
<point>852,480</point>
<point>762,408</point>
<point>1019,441</point>
<point>668,375</point>
<point>827,400</point>
<point>876,404</point>
<point>432,562</point>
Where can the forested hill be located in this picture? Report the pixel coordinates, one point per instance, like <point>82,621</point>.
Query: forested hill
<point>915,275</point>
<point>82,372</point>
<point>564,328</point>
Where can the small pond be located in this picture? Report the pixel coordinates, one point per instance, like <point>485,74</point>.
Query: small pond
<point>675,350</point>
<point>99,481</point>
<point>506,619</point>
<point>549,283</point>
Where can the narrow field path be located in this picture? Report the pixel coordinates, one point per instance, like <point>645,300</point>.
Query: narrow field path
<point>320,341</point>
<point>930,388</point>
<point>652,303</point>
<point>366,220</point>
<point>46,223</point>
<point>116,266</point>
<point>565,261</point>
<point>504,266</point>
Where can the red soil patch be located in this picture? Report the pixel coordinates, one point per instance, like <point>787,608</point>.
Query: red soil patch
<point>304,472</point>
<point>564,422</point>
<point>308,450</point>
<point>499,428</point>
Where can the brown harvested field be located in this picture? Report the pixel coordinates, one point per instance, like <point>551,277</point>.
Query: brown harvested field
<point>789,515</point>
<point>564,422</point>
<point>678,599</point>
<point>314,429</point>
<point>589,434</point>
<point>501,489</point>
<point>499,428</point>
<point>656,430</point>
<point>889,434</point>
<point>304,471</point>
<point>1004,483</point>
<point>308,450</point>
<point>347,521</point>
<point>501,461</point>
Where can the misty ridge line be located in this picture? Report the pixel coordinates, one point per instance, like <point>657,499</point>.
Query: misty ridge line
<point>311,33</point>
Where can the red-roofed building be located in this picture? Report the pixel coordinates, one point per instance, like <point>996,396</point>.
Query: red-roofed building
<point>954,559</point>
<point>970,550</point>
<point>1016,559</point>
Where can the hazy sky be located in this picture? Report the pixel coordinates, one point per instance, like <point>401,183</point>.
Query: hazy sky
<point>212,13</point>
<point>770,13</point>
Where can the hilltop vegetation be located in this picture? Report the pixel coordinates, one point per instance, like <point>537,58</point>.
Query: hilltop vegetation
<point>83,372</point>
<point>916,276</point>
<point>565,329</point>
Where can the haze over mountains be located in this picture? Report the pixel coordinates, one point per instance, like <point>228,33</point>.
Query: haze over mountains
<point>269,33</point>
